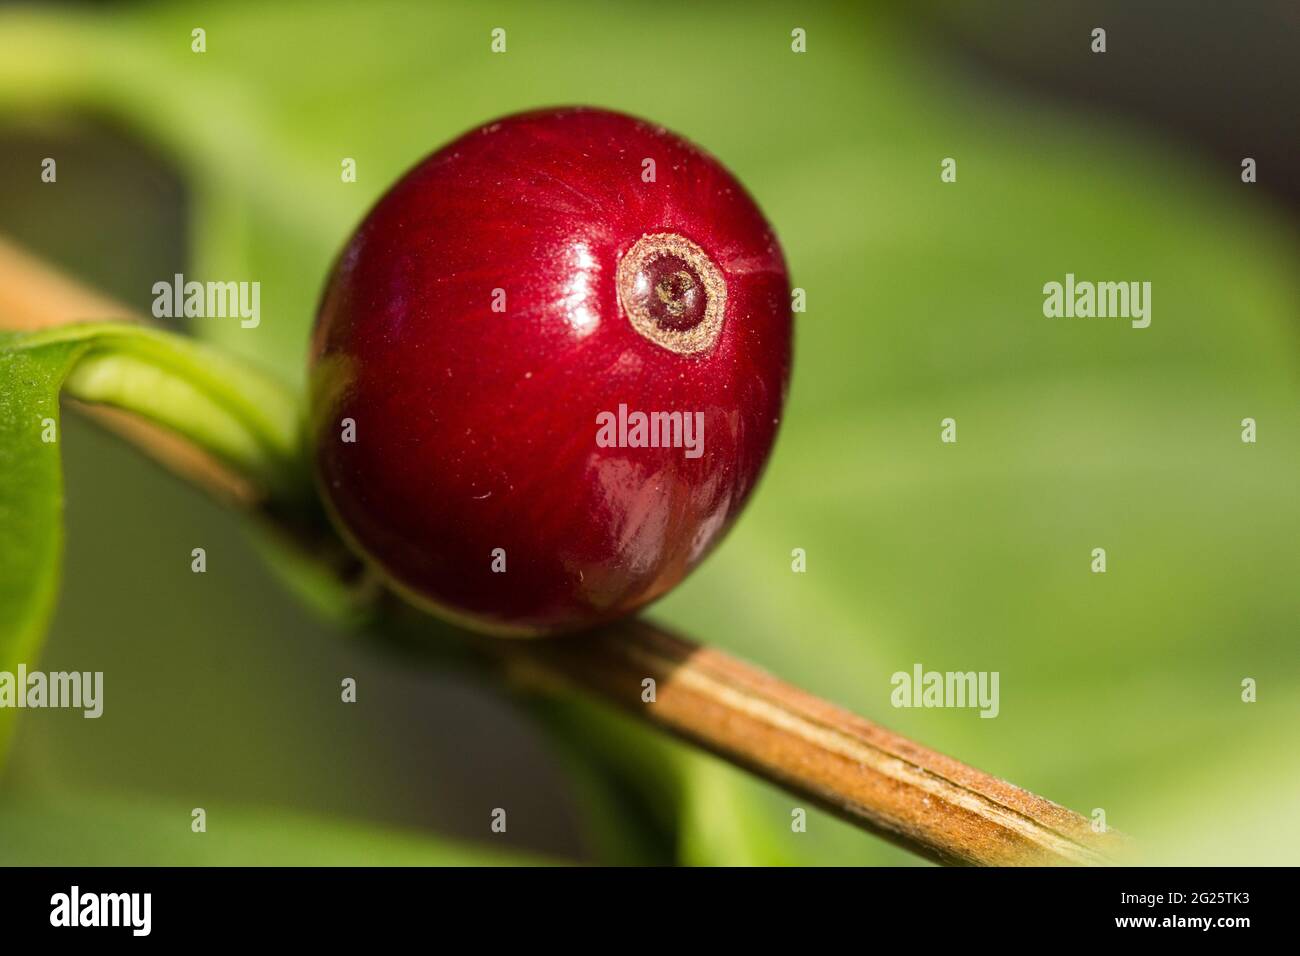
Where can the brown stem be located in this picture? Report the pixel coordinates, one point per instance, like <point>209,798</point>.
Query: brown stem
<point>919,799</point>
<point>923,801</point>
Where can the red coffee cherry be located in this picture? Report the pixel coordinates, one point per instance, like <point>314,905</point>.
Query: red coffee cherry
<point>563,373</point>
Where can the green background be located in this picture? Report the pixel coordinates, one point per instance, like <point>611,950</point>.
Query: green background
<point>1118,691</point>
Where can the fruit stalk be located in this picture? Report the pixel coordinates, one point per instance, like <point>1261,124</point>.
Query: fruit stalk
<point>919,799</point>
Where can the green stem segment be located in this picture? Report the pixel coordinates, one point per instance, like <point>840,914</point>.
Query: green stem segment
<point>234,411</point>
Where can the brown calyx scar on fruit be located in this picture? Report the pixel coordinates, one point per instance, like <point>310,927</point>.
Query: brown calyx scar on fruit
<point>672,293</point>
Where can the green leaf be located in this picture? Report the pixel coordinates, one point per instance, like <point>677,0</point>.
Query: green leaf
<point>225,407</point>
<point>31,499</point>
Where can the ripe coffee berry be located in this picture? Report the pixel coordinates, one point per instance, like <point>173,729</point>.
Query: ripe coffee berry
<point>563,342</point>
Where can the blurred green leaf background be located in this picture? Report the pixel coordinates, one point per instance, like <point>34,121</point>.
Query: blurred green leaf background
<point>1119,691</point>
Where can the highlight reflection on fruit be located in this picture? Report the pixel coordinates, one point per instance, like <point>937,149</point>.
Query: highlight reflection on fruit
<point>563,344</point>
